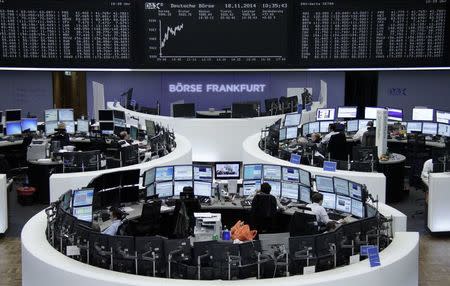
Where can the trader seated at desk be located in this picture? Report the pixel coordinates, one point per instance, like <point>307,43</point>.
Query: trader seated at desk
<point>124,139</point>
<point>358,136</point>
<point>264,209</point>
<point>320,212</point>
<point>116,222</point>
<point>61,135</point>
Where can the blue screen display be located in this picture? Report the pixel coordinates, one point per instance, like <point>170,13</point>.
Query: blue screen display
<point>29,123</point>
<point>13,128</point>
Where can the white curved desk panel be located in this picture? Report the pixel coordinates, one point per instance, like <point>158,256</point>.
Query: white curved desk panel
<point>375,182</point>
<point>3,204</point>
<point>211,139</point>
<point>43,265</point>
<point>60,183</point>
<point>439,202</point>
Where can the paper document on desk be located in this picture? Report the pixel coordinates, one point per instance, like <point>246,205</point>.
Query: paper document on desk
<point>127,209</point>
<point>164,208</point>
<point>196,215</point>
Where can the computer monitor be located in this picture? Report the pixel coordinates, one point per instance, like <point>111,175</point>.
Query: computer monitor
<point>395,114</point>
<point>282,135</point>
<point>272,172</point>
<point>324,184</point>
<point>341,186</point>
<point>325,126</point>
<point>119,114</point>
<point>253,172</point>
<point>70,126</point>
<point>82,126</point>
<point>347,112</point>
<point>105,115</point>
<point>50,127</point>
<point>422,114</point>
<point>13,115</point>
<point>305,129</point>
<point>292,119</point>
<point>275,188</point>
<point>164,189</point>
<point>150,190</point>
<point>290,190</point>
<point>13,128</point>
<point>305,177</point>
<point>107,128</point>
<point>429,128</point>
<point>305,194</point>
<point>413,127</point>
<point>65,114</point>
<point>83,197</point>
<point>371,112</point>
<point>355,190</point>
<point>134,132</point>
<point>182,172</point>
<point>329,200</point>
<point>164,174</point>
<point>314,127</point>
<point>29,123</point>
<point>227,170</point>
<point>343,204</point>
<point>442,116</point>
<point>149,177</point>
<point>184,110</point>
<point>444,129</point>
<point>83,213</point>
<point>291,174</point>
<point>243,110</point>
<point>50,115</point>
<point>249,187</point>
<point>202,173</point>
<point>352,126</point>
<point>357,208</point>
<point>325,114</point>
<point>291,132</point>
<point>150,127</point>
<point>179,185</point>
<point>362,123</point>
<point>202,188</point>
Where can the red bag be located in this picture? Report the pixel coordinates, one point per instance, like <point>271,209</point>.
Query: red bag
<point>242,232</point>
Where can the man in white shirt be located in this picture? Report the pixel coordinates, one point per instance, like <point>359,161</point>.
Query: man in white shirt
<point>116,214</point>
<point>317,208</point>
<point>327,137</point>
<point>358,136</point>
<point>426,170</point>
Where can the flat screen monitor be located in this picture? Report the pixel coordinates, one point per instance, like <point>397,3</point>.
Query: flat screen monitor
<point>134,132</point>
<point>347,112</point>
<point>202,173</point>
<point>325,114</point>
<point>83,197</point>
<point>371,112</point>
<point>305,129</point>
<point>164,189</point>
<point>182,173</point>
<point>324,184</point>
<point>150,190</point>
<point>429,128</point>
<point>291,174</point>
<point>355,190</point>
<point>314,127</point>
<point>65,114</point>
<point>107,128</point>
<point>227,170</point>
<point>413,127</point>
<point>272,172</point>
<point>442,116</point>
<point>70,126</point>
<point>357,208</point>
<point>422,114</point>
<point>253,172</point>
<point>329,200</point>
<point>83,213</point>
<point>444,129</point>
<point>352,125</point>
<point>325,126</point>
<point>362,123</point>
<point>82,126</point>
<point>13,115</point>
<point>292,119</point>
<point>105,115</point>
<point>184,110</point>
<point>275,189</point>
<point>243,110</point>
<point>29,123</point>
<point>150,127</point>
<point>341,186</point>
<point>305,194</point>
<point>202,189</point>
<point>282,135</point>
<point>395,114</point>
<point>119,114</point>
<point>164,174</point>
<point>13,128</point>
<point>179,185</point>
<point>289,190</point>
<point>249,187</point>
<point>149,177</point>
<point>343,204</point>
<point>291,132</point>
<point>305,177</point>
<point>50,127</point>
<point>51,115</point>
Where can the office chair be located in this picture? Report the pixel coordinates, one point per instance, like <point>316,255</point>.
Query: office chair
<point>184,214</point>
<point>337,147</point>
<point>149,222</point>
<point>263,212</point>
<point>129,155</point>
<point>416,155</point>
<point>303,224</point>
<point>368,138</point>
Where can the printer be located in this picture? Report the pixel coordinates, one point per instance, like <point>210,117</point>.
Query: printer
<point>37,150</point>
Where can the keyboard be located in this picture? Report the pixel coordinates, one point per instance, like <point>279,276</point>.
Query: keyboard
<point>246,203</point>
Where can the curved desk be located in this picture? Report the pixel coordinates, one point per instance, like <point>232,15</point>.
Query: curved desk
<point>60,183</point>
<point>438,202</point>
<point>375,182</point>
<point>3,204</point>
<point>43,265</point>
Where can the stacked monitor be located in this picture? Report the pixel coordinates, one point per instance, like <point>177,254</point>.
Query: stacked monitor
<point>292,119</point>
<point>53,116</point>
<point>442,116</point>
<point>227,170</point>
<point>422,114</point>
<point>346,112</point>
<point>395,114</point>
<point>82,204</point>
<point>106,121</point>
<point>371,112</point>
<point>13,122</point>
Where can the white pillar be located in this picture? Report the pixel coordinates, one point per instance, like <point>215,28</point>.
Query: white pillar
<point>381,132</point>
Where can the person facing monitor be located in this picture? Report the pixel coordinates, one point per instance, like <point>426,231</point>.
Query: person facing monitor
<point>264,209</point>
<point>116,222</point>
<point>332,129</point>
<point>358,136</point>
<point>61,135</point>
<point>124,139</point>
<point>318,210</point>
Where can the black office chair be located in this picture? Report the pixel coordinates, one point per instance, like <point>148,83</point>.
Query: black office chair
<point>149,222</point>
<point>263,212</point>
<point>337,147</point>
<point>303,224</point>
<point>184,215</point>
<point>368,138</point>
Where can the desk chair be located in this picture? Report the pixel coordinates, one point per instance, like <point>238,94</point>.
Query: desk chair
<point>368,138</point>
<point>263,213</point>
<point>303,224</point>
<point>184,214</point>
<point>149,222</point>
<point>100,250</point>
